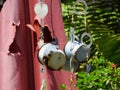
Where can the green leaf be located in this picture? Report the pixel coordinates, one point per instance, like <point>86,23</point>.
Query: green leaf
<point>63,86</point>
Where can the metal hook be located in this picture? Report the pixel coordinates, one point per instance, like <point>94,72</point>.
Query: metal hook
<point>71,68</point>
<point>42,69</point>
<point>82,12</point>
<point>72,34</point>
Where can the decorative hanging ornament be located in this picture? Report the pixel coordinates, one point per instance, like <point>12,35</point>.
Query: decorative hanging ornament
<point>85,34</point>
<point>80,12</point>
<point>78,50</point>
<point>41,9</point>
<point>50,55</point>
<point>43,86</point>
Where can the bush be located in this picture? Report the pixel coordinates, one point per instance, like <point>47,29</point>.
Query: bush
<point>104,75</point>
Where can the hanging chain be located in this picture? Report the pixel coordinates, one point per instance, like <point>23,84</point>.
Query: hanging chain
<point>42,69</point>
<point>72,34</point>
<point>43,82</point>
<point>52,21</point>
<point>71,80</point>
<point>42,27</point>
<point>43,85</point>
<point>84,12</point>
<point>80,12</point>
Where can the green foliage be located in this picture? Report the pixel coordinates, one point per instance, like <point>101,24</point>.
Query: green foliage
<point>63,86</point>
<point>103,76</point>
<point>102,21</point>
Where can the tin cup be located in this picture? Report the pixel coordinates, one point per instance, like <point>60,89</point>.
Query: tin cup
<point>50,55</point>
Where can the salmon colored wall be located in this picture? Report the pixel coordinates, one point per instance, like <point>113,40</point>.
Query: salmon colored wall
<point>20,68</point>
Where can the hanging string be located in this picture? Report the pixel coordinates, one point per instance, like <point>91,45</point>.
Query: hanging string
<point>43,82</point>
<point>73,20</point>
<point>84,12</point>
<point>72,34</point>
<point>52,20</point>
<point>42,27</point>
<point>42,22</point>
<point>43,85</point>
<point>85,22</point>
<point>54,36</point>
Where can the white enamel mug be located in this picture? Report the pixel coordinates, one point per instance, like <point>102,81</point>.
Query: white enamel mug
<point>51,56</point>
<point>81,51</point>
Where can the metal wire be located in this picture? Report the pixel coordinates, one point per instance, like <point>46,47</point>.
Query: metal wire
<point>54,36</point>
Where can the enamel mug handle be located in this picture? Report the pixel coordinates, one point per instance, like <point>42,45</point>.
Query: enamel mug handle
<point>88,35</point>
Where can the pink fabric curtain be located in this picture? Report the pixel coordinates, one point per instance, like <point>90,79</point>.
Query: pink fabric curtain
<point>19,66</point>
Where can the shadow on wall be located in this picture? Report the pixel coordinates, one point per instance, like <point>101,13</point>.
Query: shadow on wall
<point>52,77</point>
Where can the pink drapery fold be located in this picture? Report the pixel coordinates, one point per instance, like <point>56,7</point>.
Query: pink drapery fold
<point>15,66</point>
<point>9,16</point>
<point>16,71</point>
<point>9,73</point>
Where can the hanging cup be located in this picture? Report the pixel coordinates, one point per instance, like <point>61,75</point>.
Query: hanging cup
<point>51,56</point>
<point>81,51</point>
